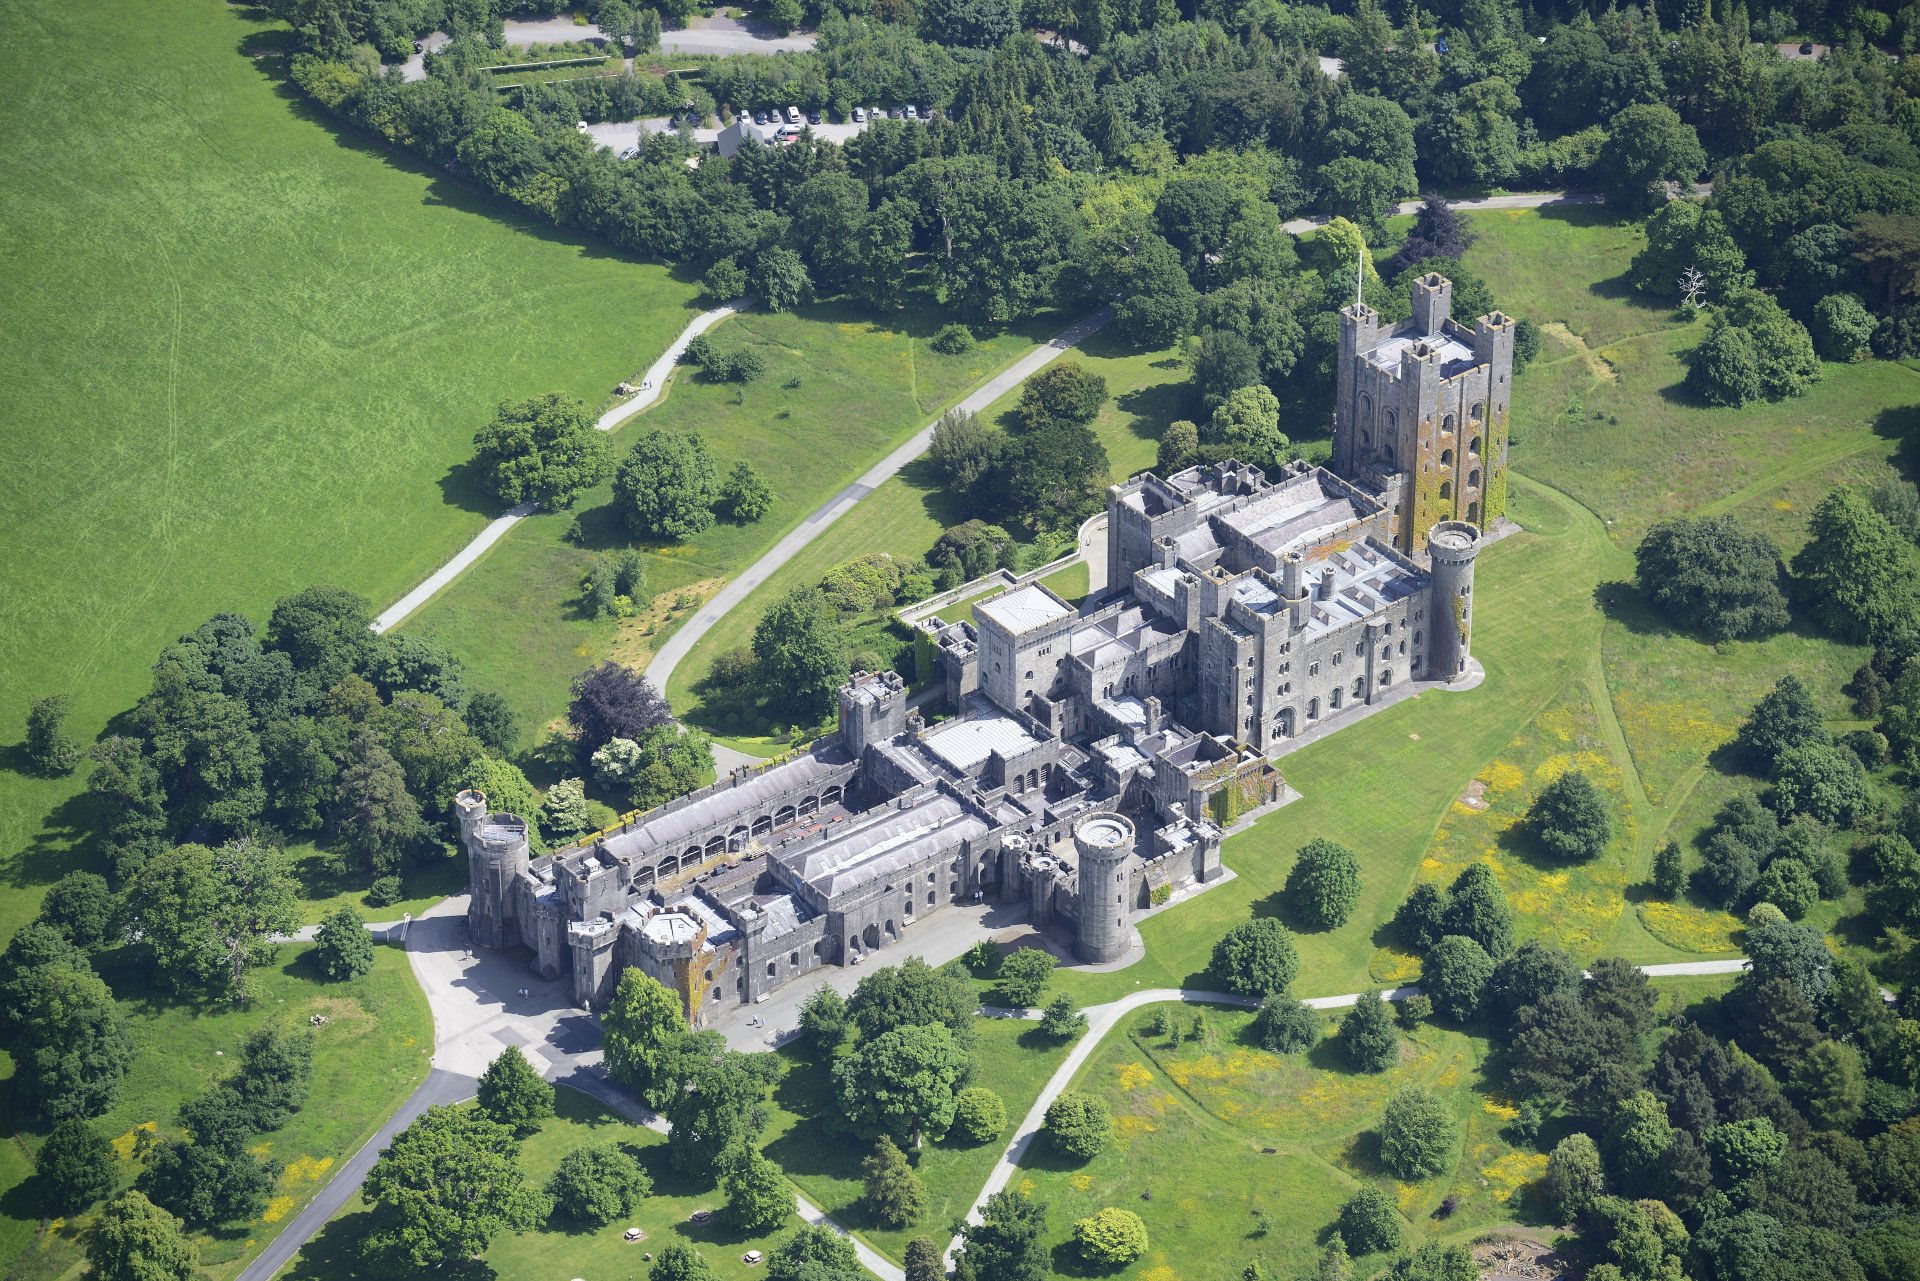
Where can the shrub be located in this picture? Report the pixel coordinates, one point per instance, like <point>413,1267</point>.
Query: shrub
<point>1414,1010</point>
<point>1867,744</point>
<point>723,282</point>
<point>51,749</point>
<point>1324,883</point>
<point>598,1183</point>
<point>1417,1134</point>
<point>1063,1020</point>
<point>342,947</point>
<point>1255,958</point>
<point>952,340</point>
<point>1369,1222</point>
<point>1573,1179</point>
<point>978,1115</point>
<point>1286,1026</point>
<point>384,892</point>
<point>1842,327</point>
<point>745,495</point>
<point>1456,976</point>
<point>1764,913</point>
<point>1112,1238</point>
<point>1079,1125</point>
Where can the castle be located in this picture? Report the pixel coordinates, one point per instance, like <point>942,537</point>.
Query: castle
<point>1095,754</point>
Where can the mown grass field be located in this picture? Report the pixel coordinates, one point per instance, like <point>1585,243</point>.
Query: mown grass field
<point>369,1054</point>
<point>250,353</point>
<point>841,389</point>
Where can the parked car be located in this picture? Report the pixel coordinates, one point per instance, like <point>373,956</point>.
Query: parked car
<point>418,47</point>
<point>893,113</point>
<point>859,115</point>
<point>759,117</point>
<point>793,115</point>
<point>813,117</point>
<point>912,113</point>
<point>630,153</point>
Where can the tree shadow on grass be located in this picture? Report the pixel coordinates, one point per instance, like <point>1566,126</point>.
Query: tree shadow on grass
<point>1901,423</point>
<point>1152,407</point>
<point>1622,602</point>
<point>465,487</point>
<point>1069,1262</point>
<point>59,846</point>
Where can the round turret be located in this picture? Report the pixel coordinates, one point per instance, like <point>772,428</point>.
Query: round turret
<point>497,852</point>
<point>1451,548</point>
<point>1105,846</point>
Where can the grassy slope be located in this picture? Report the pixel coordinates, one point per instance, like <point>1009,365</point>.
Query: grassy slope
<point>369,1055</point>
<point>841,389</point>
<point>261,347</point>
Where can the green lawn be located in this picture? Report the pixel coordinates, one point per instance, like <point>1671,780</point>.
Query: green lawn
<point>369,1054</point>
<point>840,390</point>
<point>1010,1058</point>
<point>260,347</point>
<point>562,1248</point>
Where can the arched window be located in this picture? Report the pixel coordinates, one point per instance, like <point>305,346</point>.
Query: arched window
<point>1360,687</point>
<point>1446,490</point>
<point>1473,446</point>
<point>1446,425</point>
<point>1446,458</point>
<point>1417,636</point>
<point>1473,479</point>
<point>1479,407</point>
<point>1473,512</point>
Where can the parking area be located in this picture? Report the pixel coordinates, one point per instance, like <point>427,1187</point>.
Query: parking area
<point>623,134</point>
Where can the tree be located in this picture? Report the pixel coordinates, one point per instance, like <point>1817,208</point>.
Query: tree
<point>1179,448</point>
<point>1456,976</point>
<point>758,1199</point>
<point>1255,958</point>
<point>1832,1080</point>
<point>492,721</point>
<point>135,1240</point>
<point>75,1168</point>
<point>1569,817</point>
<point>1669,871</point>
<point>1324,884</point>
<point>963,450</point>
<point>914,993</point>
<point>1367,1037</point>
<point>801,652</point>
<point>712,1098</point>
<point>82,908</point>
<point>1008,1242</point>
<point>1842,327</point>
<point>1854,572</point>
<point>678,1261</point>
<point>1112,1238</point>
<point>597,1183</point>
<point>1713,576</point>
<point>614,701</point>
<point>125,785</point>
<point>1358,189</point>
<point>513,1094</point>
<point>1533,972</point>
<point>1063,392</point>
<point>978,1115</point>
<point>1023,975</point>
<point>1417,1134</point>
<point>1786,716</point>
<point>1434,1262</point>
<point>902,1082</point>
<point>1638,1142</point>
<point>342,947</point>
<point>1477,908</point>
<point>824,1020</point>
<point>446,1186</point>
<point>563,811</point>
<point>1438,232</point>
<point>1741,1149</point>
<point>1063,1020</point>
<point>1821,780</point>
<point>745,495</point>
<point>1647,146</point>
<point>1369,1222</point>
<point>213,1179</point>
<point>815,1252</point>
<point>1052,475</point>
<point>665,487</point>
<point>894,1194</point>
<point>1573,1179</point>
<point>545,448</point>
<point>1246,426</point>
<point>210,915</point>
<point>1156,305</point>
<point>1285,1025</point>
<point>1686,236</point>
<point>323,629</point>
<point>51,749</point>
<point>1224,361</point>
<point>924,1261</point>
<point>1725,368</point>
<point>374,814</point>
<point>639,1025</point>
<point>779,280</point>
<point>1079,1125</point>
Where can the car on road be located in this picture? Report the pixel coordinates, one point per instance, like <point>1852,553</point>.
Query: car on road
<point>912,112</point>
<point>859,115</point>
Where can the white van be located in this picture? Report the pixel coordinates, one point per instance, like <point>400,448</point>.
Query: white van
<point>793,115</point>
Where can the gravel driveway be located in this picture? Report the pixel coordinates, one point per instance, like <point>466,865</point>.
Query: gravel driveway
<point>714,35</point>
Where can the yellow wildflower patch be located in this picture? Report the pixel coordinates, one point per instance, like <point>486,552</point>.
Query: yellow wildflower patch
<point>124,1145</point>
<point>261,1148</point>
<point>1134,1076</point>
<point>1687,927</point>
<point>1407,1195</point>
<point>1500,1106</point>
<point>1502,776</point>
<point>1081,1182</point>
<point>1160,1273</point>
<point>1783,504</point>
<point>1027,1185</point>
<point>1513,1172</point>
<point>52,1233</point>
<point>277,1209</point>
<point>1391,965</point>
<point>1132,1127</point>
<point>305,1169</point>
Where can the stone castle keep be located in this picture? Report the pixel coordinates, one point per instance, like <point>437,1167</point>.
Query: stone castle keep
<point>1095,754</point>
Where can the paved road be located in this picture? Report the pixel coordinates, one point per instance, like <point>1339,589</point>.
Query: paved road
<point>655,382</point>
<point>1102,1018</point>
<point>715,35</point>
<point>1528,200</point>
<point>683,641</point>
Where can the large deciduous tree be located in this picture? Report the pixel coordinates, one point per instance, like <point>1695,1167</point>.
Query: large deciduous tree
<point>1417,1134</point>
<point>1713,576</point>
<point>135,1240</point>
<point>664,489</point>
<point>1255,958</point>
<point>1324,884</point>
<point>447,1185</point>
<point>902,1083</point>
<point>640,1025</point>
<point>801,653</point>
<point>211,915</point>
<point>1647,146</point>
<point>513,1094</point>
<point>543,448</point>
<point>1854,574</point>
<point>613,701</point>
